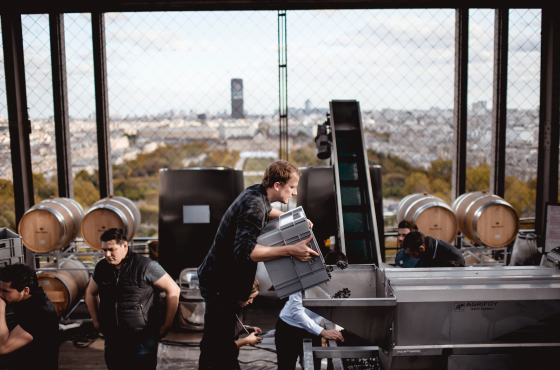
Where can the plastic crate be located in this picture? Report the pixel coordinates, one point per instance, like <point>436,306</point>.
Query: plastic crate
<point>11,246</point>
<point>289,275</point>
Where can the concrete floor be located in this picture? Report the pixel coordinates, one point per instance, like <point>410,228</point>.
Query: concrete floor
<point>262,313</point>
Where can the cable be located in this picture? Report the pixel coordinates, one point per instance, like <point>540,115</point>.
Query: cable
<point>84,340</point>
<point>258,348</point>
<point>250,362</point>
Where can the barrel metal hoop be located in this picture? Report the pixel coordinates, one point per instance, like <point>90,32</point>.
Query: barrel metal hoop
<point>458,201</point>
<point>474,201</point>
<point>114,209</point>
<point>479,212</point>
<point>403,202</point>
<point>77,206</point>
<point>126,207</point>
<point>60,219</point>
<point>417,201</point>
<point>76,229</point>
<point>426,206</point>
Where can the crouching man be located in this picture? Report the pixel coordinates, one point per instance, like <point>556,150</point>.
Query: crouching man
<point>124,282</point>
<point>33,343</point>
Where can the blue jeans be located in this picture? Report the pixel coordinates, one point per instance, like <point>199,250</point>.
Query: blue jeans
<point>131,352</point>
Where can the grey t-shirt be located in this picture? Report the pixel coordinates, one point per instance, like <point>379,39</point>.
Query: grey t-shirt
<point>153,273</point>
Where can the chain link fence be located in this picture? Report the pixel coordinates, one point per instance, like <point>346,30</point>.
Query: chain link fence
<point>523,100</point>
<point>399,65</point>
<point>191,89</point>
<point>479,98</point>
<point>81,107</point>
<point>38,80</point>
<point>7,214</point>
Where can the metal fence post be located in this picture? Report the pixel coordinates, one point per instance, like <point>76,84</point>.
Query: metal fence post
<point>102,105</point>
<point>499,109</point>
<point>459,172</point>
<point>60,98</point>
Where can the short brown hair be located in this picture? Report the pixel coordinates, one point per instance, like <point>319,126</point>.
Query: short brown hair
<point>405,224</point>
<point>279,171</point>
<point>334,256</point>
<point>414,240</point>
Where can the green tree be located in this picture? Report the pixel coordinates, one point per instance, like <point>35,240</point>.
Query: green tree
<point>478,178</point>
<point>305,157</point>
<point>222,158</point>
<point>521,197</point>
<point>417,182</point>
<point>43,188</point>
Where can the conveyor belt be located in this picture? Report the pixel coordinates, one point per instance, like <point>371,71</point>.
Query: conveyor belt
<point>355,209</point>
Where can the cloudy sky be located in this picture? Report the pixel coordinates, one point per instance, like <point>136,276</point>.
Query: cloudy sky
<point>185,61</point>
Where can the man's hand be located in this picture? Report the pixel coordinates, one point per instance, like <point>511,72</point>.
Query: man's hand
<point>332,334</point>
<point>310,223</point>
<point>302,252</point>
<point>254,329</point>
<point>163,330</point>
<point>252,339</point>
<point>96,324</point>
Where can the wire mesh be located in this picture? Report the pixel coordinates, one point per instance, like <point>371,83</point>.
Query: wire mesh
<point>7,214</point>
<point>190,89</point>
<point>81,106</point>
<point>523,102</point>
<point>38,80</point>
<point>479,98</point>
<point>399,65</point>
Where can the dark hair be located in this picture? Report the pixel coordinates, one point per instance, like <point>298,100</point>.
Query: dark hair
<point>334,256</point>
<point>256,286</point>
<point>405,224</point>
<point>453,264</point>
<point>279,171</point>
<point>20,276</point>
<point>413,240</point>
<point>118,235</point>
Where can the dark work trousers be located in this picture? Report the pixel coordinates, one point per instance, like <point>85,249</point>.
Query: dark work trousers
<point>218,350</point>
<point>130,352</point>
<point>289,345</point>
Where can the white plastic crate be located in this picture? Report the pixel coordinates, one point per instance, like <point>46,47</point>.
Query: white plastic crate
<point>11,247</point>
<point>289,275</point>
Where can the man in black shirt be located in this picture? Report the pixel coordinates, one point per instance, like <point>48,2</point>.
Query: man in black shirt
<point>432,252</point>
<point>227,273</point>
<point>33,343</point>
<point>124,282</point>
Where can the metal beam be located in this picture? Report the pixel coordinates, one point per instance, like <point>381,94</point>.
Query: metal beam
<point>60,99</point>
<point>549,116</point>
<point>20,126</point>
<point>91,6</point>
<point>102,105</point>
<point>499,101</point>
<point>458,181</point>
<point>283,84</point>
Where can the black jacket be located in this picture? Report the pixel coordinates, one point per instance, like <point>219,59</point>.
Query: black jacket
<point>439,252</point>
<point>125,298</point>
<point>228,269</point>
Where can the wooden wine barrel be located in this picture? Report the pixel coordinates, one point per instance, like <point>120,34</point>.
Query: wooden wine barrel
<point>107,213</point>
<point>64,287</point>
<point>51,224</point>
<point>431,214</point>
<point>486,219</point>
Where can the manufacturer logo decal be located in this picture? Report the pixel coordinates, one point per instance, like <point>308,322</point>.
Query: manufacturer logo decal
<point>474,306</point>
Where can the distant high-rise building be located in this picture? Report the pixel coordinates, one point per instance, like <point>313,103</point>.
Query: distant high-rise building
<point>237,98</point>
<point>308,106</point>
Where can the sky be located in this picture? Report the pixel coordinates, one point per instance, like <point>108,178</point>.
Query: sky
<point>400,59</point>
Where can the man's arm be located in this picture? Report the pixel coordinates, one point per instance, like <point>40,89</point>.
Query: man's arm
<point>172,292</point>
<point>91,302</point>
<point>11,341</point>
<point>299,251</point>
<point>275,213</point>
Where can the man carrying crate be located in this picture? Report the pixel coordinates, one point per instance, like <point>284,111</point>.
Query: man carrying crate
<point>227,273</point>
<point>33,343</point>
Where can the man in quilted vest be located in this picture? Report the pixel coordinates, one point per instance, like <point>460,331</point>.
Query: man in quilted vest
<point>124,282</point>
